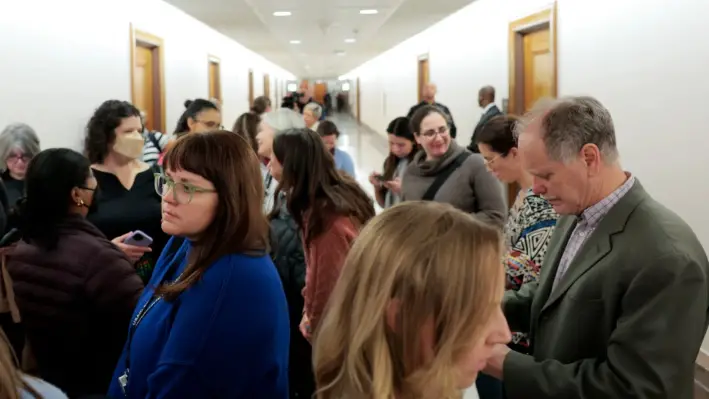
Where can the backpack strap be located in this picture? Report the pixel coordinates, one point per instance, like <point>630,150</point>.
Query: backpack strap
<point>153,139</point>
<point>444,175</point>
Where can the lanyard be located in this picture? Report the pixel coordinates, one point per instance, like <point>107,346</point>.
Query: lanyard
<point>154,299</point>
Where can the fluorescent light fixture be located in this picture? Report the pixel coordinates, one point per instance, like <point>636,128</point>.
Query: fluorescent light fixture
<point>350,40</point>
<point>282,14</point>
<point>368,12</point>
<point>340,53</point>
<point>295,42</point>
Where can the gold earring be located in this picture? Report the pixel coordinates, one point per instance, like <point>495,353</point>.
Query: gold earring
<point>80,203</point>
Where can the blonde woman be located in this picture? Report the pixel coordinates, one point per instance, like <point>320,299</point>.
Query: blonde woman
<point>416,312</point>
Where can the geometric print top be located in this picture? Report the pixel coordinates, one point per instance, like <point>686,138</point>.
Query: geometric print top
<point>528,231</point>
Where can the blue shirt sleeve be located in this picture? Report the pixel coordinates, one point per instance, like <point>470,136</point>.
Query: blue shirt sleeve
<point>346,163</point>
<point>229,337</point>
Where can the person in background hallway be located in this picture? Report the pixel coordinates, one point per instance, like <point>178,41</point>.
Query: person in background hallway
<point>529,226</point>
<point>446,172</point>
<point>200,115</point>
<point>486,100</point>
<point>271,124</point>
<point>311,116</point>
<point>213,321</point>
<point>126,200</point>
<point>247,126</point>
<point>429,98</point>
<point>402,148</point>
<point>18,144</point>
<point>155,143</point>
<point>74,288</point>
<point>620,308</point>
<point>416,312</point>
<point>329,208</point>
<point>329,134</point>
<point>288,256</point>
<point>17,385</point>
<point>262,104</point>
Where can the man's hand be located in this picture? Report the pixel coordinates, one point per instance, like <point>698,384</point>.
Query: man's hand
<point>496,361</point>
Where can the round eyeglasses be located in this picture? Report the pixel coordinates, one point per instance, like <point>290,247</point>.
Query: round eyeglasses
<point>182,192</point>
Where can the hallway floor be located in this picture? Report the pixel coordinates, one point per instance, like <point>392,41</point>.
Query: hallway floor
<point>368,150</point>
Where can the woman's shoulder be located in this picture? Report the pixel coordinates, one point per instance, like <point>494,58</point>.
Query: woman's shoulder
<point>236,268</point>
<point>535,207</point>
<point>43,388</point>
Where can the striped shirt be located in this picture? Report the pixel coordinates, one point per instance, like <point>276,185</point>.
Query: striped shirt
<point>151,154</point>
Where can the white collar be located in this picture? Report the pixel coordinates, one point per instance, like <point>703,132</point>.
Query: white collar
<point>487,107</point>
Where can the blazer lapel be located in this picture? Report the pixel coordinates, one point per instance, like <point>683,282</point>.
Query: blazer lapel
<point>598,245</point>
<point>564,227</point>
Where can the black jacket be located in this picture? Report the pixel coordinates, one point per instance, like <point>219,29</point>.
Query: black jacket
<point>489,114</point>
<point>453,129</point>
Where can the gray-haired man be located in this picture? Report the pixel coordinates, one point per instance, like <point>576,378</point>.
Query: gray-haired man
<point>620,309</point>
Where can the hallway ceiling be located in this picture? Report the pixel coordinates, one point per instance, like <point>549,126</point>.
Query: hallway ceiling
<point>321,26</point>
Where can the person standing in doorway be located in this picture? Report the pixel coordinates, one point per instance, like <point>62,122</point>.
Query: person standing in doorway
<point>429,98</point>
<point>486,100</point>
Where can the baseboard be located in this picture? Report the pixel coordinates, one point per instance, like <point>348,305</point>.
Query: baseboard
<point>701,375</point>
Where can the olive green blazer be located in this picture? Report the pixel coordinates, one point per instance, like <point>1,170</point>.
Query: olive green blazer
<point>626,320</point>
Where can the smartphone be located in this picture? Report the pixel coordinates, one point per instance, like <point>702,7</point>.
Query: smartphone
<point>139,239</point>
<point>380,178</point>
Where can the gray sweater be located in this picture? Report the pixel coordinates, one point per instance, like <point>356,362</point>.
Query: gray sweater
<point>471,188</point>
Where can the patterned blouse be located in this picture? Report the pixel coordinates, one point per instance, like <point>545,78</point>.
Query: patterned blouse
<point>527,233</point>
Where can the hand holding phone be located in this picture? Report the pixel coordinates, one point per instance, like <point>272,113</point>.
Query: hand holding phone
<point>139,239</point>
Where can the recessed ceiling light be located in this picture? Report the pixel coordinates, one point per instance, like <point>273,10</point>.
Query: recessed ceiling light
<point>350,40</point>
<point>282,14</point>
<point>295,42</point>
<point>368,12</point>
<point>340,53</point>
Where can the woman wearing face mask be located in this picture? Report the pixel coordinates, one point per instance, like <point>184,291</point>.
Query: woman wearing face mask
<point>402,148</point>
<point>74,289</point>
<point>213,321</point>
<point>127,200</point>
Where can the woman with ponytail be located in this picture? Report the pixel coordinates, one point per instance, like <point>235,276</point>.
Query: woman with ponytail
<point>74,288</point>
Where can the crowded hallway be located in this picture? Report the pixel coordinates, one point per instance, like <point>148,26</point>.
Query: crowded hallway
<point>270,200</point>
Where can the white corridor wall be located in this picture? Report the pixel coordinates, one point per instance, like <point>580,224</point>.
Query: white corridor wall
<point>647,62</point>
<point>60,59</point>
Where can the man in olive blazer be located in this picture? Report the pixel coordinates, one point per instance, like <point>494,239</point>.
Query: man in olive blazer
<point>622,312</point>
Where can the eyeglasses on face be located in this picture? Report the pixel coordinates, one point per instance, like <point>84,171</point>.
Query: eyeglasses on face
<point>211,124</point>
<point>431,133</point>
<point>182,192</point>
<point>18,157</point>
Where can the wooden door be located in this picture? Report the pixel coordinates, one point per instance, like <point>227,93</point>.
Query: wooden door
<point>532,74</point>
<point>538,67</point>
<point>267,85</point>
<point>359,95</point>
<point>319,92</point>
<point>147,77</point>
<point>424,76</point>
<point>251,88</point>
<point>215,86</point>
<point>143,93</point>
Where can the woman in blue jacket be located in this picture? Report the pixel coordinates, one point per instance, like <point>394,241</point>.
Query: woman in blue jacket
<point>213,321</point>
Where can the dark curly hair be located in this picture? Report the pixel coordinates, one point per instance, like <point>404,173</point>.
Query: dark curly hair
<point>101,129</point>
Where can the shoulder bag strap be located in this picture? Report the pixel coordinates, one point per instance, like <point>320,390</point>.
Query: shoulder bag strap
<point>444,175</point>
<point>153,139</point>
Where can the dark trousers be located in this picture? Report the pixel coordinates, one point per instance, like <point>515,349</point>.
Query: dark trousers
<point>489,387</point>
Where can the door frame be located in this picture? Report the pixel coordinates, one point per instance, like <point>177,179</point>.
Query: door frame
<point>157,46</point>
<point>251,88</point>
<point>423,59</point>
<point>267,85</point>
<point>546,18</point>
<point>212,59</point>
<point>359,109</point>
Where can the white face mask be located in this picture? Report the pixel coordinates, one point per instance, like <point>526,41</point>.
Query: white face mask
<point>129,145</point>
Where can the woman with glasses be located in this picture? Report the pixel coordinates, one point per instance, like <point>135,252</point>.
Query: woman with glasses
<point>447,172</point>
<point>18,145</point>
<point>127,201</point>
<point>213,321</point>
<point>74,288</point>
<point>200,116</point>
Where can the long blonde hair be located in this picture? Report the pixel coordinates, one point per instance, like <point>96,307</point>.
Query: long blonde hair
<point>441,268</point>
<point>11,382</point>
